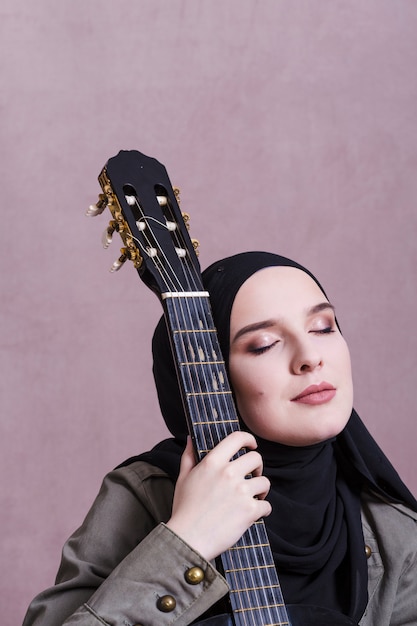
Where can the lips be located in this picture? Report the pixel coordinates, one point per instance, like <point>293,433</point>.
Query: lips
<point>316,394</point>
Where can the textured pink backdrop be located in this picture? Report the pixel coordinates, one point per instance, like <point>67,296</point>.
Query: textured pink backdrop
<point>290,126</point>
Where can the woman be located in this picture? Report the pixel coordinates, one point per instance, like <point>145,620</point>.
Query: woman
<point>341,524</point>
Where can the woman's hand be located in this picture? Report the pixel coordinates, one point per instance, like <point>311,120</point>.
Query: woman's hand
<point>214,504</point>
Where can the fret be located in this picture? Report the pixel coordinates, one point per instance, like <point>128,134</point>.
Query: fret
<point>208,393</point>
<point>210,422</point>
<point>262,588</point>
<point>200,363</point>
<point>260,608</point>
<point>263,623</point>
<point>250,568</point>
<point>204,451</point>
<point>193,331</point>
<point>256,545</point>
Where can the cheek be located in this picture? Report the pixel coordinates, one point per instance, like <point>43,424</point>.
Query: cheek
<point>345,363</point>
<point>250,387</point>
<point>244,381</point>
<point>345,376</point>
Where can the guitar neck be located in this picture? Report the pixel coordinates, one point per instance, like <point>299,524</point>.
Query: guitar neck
<point>208,399</point>
<point>248,566</point>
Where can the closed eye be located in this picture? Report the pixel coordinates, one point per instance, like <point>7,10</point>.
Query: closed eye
<point>324,331</point>
<point>257,351</point>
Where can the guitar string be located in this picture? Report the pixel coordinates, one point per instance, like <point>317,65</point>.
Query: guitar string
<point>264,556</point>
<point>183,309</point>
<point>180,308</point>
<point>164,273</point>
<point>167,276</point>
<point>244,564</point>
<point>207,348</point>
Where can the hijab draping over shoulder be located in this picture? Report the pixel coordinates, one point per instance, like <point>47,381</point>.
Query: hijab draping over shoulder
<point>315,528</point>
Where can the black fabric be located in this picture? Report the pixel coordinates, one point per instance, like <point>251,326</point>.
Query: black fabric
<point>315,528</point>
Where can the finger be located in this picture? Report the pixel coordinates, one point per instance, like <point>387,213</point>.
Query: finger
<point>265,508</point>
<point>258,487</point>
<point>249,463</point>
<point>230,445</point>
<point>188,460</point>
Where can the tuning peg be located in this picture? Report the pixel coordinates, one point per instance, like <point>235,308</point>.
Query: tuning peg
<point>171,226</point>
<point>107,236</point>
<point>120,261</point>
<point>96,209</point>
<point>131,200</point>
<point>162,200</point>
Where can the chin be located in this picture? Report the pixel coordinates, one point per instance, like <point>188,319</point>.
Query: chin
<point>319,435</point>
<point>331,432</point>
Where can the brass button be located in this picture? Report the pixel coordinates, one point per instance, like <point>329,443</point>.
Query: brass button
<point>194,575</point>
<point>368,551</point>
<point>166,604</point>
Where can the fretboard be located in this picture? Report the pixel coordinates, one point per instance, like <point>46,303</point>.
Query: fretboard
<point>249,569</point>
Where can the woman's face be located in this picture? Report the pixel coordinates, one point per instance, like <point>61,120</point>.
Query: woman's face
<point>289,365</point>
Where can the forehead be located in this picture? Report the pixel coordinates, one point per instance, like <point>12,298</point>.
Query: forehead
<point>275,292</point>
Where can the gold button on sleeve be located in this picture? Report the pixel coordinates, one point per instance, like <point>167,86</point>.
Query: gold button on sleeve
<point>368,551</point>
<point>194,575</point>
<point>166,604</point>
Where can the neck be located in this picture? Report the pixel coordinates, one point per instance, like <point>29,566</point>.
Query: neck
<point>294,457</point>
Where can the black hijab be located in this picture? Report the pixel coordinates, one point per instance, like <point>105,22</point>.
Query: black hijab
<point>315,528</point>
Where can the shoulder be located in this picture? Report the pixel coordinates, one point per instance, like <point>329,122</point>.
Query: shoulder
<point>132,472</point>
<point>386,514</point>
<point>391,527</point>
<point>132,500</point>
<point>146,485</point>
<point>390,534</point>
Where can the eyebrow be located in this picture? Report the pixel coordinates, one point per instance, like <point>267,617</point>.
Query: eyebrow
<point>250,328</point>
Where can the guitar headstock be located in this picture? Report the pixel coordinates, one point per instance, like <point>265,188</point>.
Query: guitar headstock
<point>146,214</point>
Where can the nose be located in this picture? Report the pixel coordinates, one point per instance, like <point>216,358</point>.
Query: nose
<point>306,357</point>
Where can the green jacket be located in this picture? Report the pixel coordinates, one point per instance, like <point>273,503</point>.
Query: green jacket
<point>118,565</point>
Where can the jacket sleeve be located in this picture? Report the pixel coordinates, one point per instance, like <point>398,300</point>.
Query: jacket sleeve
<point>123,566</point>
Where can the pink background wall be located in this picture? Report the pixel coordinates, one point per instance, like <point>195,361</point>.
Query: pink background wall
<point>290,126</point>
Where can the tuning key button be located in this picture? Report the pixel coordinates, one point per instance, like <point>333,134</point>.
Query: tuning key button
<point>96,209</point>
<point>107,236</point>
<point>120,261</point>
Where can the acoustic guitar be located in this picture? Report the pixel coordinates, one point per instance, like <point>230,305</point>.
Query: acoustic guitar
<point>146,214</point>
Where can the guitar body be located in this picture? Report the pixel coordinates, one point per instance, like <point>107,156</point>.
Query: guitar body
<point>299,616</point>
